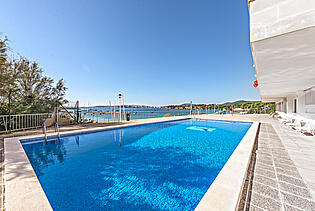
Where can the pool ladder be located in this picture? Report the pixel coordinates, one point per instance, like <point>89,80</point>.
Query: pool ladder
<point>57,130</point>
<point>45,131</point>
<point>193,115</point>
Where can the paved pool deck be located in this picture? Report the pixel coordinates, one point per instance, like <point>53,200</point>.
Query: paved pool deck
<point>283,175</point>
<point>284,167</point>
<point>279,182</point>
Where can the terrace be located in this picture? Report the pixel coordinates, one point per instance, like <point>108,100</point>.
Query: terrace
<point>271,168</point>
<point>280,175</point>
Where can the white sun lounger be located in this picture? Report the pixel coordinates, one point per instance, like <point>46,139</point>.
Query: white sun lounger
<point>308,127</point>
<point>285,118</point>
<point>295,122</point>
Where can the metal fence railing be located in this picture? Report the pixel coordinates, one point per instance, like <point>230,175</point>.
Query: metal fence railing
<point>101,117</point>
<point>17,122</point>
<point>22,121</point>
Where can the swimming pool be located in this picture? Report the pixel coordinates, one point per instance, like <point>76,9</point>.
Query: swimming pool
<point>160,166</point>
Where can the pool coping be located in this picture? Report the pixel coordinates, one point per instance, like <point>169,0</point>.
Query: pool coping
<point>226,190</point>
<point>23,190</point>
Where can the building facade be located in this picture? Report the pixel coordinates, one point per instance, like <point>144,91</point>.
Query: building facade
<point>282,37</point>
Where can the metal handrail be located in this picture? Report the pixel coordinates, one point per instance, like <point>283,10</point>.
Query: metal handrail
<point>45,130</point>
<point>58,131</point>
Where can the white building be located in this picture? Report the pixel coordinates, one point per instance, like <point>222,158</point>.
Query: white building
<point>282,37</point>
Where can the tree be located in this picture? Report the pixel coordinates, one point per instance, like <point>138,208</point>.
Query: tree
<point>9,87</point>
<point>3,66</point>
<point>59,92</point>
<point>24,89</point>
<point>3,50</point>
<point>31,82</point>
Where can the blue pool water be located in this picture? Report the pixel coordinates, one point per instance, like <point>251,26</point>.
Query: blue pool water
<point>161,166</point>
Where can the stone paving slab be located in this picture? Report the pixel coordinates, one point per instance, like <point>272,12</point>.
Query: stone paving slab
<point>277,183</point>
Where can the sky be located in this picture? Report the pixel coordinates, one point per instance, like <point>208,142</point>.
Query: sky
<point>154,52</point>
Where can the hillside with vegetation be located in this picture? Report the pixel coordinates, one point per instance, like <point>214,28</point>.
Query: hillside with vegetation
<point>241,105</point>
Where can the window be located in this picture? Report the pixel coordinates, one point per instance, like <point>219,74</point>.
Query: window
<point>294,106</point>
<point>310,96</point>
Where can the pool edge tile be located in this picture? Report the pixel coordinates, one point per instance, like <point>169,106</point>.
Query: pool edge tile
<point>22,188</point>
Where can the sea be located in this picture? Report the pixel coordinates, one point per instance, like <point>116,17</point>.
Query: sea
<point>100,114</point>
